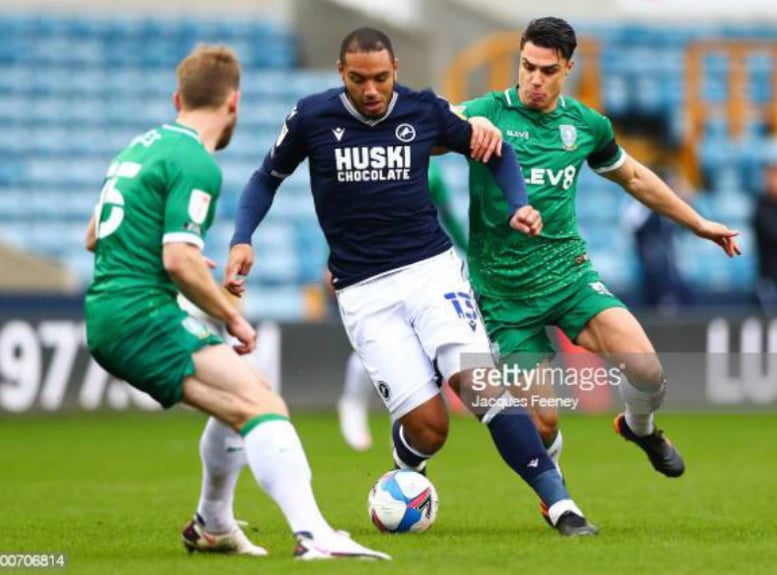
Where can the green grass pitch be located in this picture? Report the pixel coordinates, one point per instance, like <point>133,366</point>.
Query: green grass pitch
<point>113,490</point>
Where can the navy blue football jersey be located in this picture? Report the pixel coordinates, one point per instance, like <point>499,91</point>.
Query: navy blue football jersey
<point>369,176</point>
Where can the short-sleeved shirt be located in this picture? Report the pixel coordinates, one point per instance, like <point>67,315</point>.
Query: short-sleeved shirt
<point>161,188</point>
<point>551,148</point>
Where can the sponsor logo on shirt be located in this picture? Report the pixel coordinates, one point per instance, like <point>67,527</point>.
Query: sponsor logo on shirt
<point>543,176</point>
<point>373,163</point>
<point>522,135</point>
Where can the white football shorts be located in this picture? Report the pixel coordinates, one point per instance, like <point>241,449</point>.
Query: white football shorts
<point>402,321</point>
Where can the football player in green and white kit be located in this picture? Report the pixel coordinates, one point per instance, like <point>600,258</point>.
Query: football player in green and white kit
<point>147,233</point>
<point>527,284</point>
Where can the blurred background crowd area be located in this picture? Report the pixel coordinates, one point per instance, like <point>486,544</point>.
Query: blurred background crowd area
<point>690,86</point>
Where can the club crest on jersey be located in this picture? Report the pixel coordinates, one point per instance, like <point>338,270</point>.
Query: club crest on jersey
<point>384,390</point>
<point>199,202</point>
<point>462,305</point>
<point>405,133</point>
<point>568,136</point>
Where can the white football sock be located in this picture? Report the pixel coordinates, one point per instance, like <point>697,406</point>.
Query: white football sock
<point>554,449</point>
<point>279,464</point>
<point>640,406</point>
<point>358,385</point>
<point>223,457</point>
<point>560,507</point>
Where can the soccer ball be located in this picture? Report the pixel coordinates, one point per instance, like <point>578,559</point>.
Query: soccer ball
<point>402,501</point>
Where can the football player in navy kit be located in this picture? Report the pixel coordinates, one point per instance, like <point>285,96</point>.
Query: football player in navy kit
<point>405,304</point>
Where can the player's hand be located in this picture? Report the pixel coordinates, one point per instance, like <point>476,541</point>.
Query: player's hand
<point>329,287</point>
<point>240,329</point>
<point>486,139</point>
<point>721,235</point>
<point>241,258</point>
<point>527,220</point>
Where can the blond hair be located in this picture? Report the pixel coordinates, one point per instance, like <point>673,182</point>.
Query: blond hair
<point>207,76</point>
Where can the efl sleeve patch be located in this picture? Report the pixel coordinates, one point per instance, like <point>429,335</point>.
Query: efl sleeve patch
<point>199,204</point>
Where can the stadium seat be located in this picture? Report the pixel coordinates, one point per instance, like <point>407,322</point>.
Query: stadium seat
<point>76,89</point>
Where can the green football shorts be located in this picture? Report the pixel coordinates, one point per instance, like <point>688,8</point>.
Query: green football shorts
<point>156,355</point>
<point>518,326</point>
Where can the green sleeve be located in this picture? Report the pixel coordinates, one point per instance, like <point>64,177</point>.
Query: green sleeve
<point>440,196</point>
<point>191,201</point>
<point>607,154</point>
<point>482,106</point>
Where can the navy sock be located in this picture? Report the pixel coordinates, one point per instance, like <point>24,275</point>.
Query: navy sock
<point>520,446</point>
<point>404,451</point>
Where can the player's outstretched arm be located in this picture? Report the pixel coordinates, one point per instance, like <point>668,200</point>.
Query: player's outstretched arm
<point>507,174</point>
<point>255,202</point>
<point>642,183</point>
<point>241,260</point>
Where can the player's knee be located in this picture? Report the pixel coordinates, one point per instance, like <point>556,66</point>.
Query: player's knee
<point>546,421</point>
<point>256,405</point>
<point>646,373</point>
<point>468,381</point>
<point>432,438</point>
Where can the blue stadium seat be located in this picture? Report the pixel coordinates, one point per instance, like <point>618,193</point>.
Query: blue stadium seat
<point>76,89</point>
<point>281,302</point>
<point>12,174</point>
<point>14,205</point>
<point>732,204</point>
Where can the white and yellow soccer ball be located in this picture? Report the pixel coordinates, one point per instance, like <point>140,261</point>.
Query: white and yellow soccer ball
<point>403,501</point>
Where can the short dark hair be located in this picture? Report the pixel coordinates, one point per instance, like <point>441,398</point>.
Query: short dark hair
<point>365,40</point>
<point>550,32</point>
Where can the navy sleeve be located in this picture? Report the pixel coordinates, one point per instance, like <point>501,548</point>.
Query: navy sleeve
<point>456,134</point>
<point>289,149</point>
<point>255,202</point>
<point>455,131</point>
<point>507,173</point>
<point>281,161</point>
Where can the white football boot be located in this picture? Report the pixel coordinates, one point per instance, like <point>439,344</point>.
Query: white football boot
<point>234,542</point>
<point>336,545</point>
